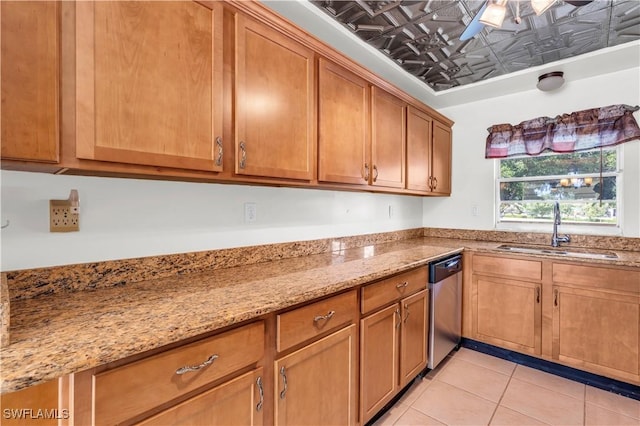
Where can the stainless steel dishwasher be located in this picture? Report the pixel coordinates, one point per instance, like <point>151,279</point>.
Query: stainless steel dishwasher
<point>445,313</point>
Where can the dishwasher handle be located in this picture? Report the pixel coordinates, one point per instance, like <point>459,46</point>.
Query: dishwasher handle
<point>444,268</point>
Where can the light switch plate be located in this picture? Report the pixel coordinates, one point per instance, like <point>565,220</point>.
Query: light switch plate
<point>61,218</point>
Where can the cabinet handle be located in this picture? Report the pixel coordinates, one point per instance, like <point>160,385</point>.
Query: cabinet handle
<point>219,144</point>
<point>430,183</point>
<point>366,172</point>
<point>402,285</point>
<point>188,368</point>
<point>555,297</point>
<point>375,173</point>
<point>435,183</point>
<point>324,317</point>
<point>406,308</point>
<point>243,155</point>
<point>261,391</point>
<point>399,318</point>
<point>284,380</point>
<point>537,294</point>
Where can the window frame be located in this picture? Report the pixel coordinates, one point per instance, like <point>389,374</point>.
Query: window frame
<point>546,226</point>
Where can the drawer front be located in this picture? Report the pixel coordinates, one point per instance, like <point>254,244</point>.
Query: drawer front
<point>304,323</point>
<point>134,388</point>
<point>394,288</point>
<point>597,277</point>
<point>509,267</point>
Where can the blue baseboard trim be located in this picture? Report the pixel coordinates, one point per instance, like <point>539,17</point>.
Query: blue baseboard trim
<point>622,388</point>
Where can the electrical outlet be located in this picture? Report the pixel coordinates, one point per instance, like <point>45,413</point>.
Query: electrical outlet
<point>62,218</point>
<point>250,212</point>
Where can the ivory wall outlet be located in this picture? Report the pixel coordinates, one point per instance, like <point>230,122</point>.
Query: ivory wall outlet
<point>62,218</point>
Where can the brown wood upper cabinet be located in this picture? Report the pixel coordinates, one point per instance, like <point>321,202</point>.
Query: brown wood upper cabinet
<point>149,83</point>
<point>428,154</point>
<point>30,80</point>
<point>388,116</point>
<point>343,125</point>
<point>275,103</point>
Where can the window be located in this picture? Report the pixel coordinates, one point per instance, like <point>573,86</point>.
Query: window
<point>584,183</point>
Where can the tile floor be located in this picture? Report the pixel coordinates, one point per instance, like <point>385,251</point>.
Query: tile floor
<point>472,388</point>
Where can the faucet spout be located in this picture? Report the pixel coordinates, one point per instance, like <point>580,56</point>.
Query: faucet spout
<point>555,239</point>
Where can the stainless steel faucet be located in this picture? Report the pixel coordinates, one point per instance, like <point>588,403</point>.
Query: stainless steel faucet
<point>555,240</point>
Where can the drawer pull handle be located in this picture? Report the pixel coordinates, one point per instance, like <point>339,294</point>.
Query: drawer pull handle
<point>219,144</point>
<point>283,373</point>
<point>261,391</point>
<point>402,285</point>
<point>188,368</point>
<point>324,317</point>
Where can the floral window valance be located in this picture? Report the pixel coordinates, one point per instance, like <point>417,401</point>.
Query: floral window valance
<point>578,131</point>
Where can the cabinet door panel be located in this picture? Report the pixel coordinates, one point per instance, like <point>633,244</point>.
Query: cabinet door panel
<point>378,360</point>
<point>413,340</point>
<point>507,313</point>
<point>232,403</point>
<point>388,115</point>
<point>343,125</point>
<point>418,150</point>
<point>30,73</point>
<point>320,382</point>
<point>598,331</point>
<point>441,159</point>
<point>148,83</point>
<point>274,105</point>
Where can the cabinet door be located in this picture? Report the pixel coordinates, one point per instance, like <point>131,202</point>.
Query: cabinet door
<point>441,159</point>
<point>413,339</point>
<point>378,360</point>
<point>30,80</point>
<point>34,398</point>
<point>236,402</point>
<point>597,331</point>
<point>317,384</point>
<point>418,150</point>
<point>388,116</point>
<point>507,313</point>
<point>275,99</point>
<point>343,126</point>
<point>149,83</point>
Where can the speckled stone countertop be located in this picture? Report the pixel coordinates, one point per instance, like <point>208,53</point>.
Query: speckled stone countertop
<point>62,332</point>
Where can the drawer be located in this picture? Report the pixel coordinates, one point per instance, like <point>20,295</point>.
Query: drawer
<point>509,267</point>
<point>309,321</point>
<point>135,388</point>
<point>394,288</point>
<point>597,277</point>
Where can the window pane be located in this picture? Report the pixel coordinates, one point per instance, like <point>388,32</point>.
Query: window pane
<point>590,212</point>
<point>559,164</point>
<point>559,189</point>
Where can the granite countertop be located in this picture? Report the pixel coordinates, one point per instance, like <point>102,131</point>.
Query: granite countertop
<point>62,333</point>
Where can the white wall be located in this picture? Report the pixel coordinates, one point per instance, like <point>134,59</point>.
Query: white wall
<point>123,218</point>
<point>473,175</point>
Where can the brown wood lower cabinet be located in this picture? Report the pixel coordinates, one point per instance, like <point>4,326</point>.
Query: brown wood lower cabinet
<point>393,350</point>
<point>316,385</point>
<point>236,402</point>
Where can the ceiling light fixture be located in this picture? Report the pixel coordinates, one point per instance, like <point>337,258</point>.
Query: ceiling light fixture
<point>550,81</point>
<point>494,14</point>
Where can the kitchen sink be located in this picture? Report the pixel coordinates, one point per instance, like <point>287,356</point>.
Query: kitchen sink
<point>559,252</point>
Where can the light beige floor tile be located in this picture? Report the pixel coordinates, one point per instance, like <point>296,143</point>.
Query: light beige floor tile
<point>433,373</point>
<point>487,361</point>
<point>488,384</point>
<point>392,415</point>
<point>454,406</point>
<point>598,416</point>
<point>550,381</point>
<point>413,417</point>
<point>613,402</point>
<point>414,391</point>
<point>506,417</point>
<point>543,404</point>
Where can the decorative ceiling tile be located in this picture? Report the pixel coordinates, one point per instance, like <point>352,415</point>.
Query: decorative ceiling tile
<point>423,37</point>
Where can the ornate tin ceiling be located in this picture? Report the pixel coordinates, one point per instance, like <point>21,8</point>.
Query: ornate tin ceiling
<point>424,36</point>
